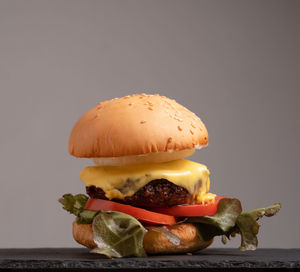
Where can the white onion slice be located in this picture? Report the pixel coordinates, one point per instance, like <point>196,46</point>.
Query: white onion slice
<point>146,158</point>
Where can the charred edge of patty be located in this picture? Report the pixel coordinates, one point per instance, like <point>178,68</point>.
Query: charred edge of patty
<point>156,194</point>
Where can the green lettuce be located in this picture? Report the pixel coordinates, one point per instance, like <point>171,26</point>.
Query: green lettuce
<point>230,220</point>
<point>74,204</point>
<point>118,235</point>
<point>248,227</point>
<point>86,217</point>
<point>222,222</point>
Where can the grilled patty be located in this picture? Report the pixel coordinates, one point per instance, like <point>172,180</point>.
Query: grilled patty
<point>157,193</point>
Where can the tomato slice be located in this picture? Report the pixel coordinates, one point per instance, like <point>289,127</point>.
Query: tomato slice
<point>209,209</point>
<point>140,214</point>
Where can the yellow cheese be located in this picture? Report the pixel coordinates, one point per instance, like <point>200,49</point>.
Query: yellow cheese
<point>121,181</point>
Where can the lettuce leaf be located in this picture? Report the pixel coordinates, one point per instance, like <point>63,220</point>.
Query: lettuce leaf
<point>118,235</point>
<point>86,217</point>
<point>228,211</point>
<point>74,204</point>
<point>221,223</point>
<point>248,227</point>
<point>229,220</point>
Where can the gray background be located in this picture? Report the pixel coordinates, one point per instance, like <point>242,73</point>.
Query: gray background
<point>234,63</point>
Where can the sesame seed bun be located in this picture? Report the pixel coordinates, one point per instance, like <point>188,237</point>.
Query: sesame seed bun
<point>154,242</point>
<point>136,125</point>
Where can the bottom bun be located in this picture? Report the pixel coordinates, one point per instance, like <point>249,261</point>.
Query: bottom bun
<point>154,242</point>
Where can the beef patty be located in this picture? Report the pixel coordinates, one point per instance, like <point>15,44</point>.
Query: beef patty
<point>157,193</point>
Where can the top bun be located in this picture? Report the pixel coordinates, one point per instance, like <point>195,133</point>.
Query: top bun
<point>136,125</point>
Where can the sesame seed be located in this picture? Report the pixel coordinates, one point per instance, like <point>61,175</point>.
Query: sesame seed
<point>143,122</point>
<point>179,128</point>
<point>149,108</point>
<point>192,132</point>
<point>129,104</point>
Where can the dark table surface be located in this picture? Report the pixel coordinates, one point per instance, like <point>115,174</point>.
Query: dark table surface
<point>80,259</point>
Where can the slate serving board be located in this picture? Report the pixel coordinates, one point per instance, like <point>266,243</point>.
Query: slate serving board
<point>80,259</point>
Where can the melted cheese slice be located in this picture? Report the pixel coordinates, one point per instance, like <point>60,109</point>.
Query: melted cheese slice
<point>121,181</point>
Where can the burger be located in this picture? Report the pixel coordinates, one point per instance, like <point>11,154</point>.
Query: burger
<point>142,195</point>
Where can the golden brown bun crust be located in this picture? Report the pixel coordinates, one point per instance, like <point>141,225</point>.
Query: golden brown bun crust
<point>154,242</point>
<point>135,125</point>
<point>83,234</point>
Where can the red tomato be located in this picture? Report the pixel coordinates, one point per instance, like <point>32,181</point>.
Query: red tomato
<point>191,210</point>
<point>141,214</point>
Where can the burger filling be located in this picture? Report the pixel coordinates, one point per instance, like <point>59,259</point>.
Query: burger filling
<point>157,193</point>
<point>154,193</point>
<point>150,185</point>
